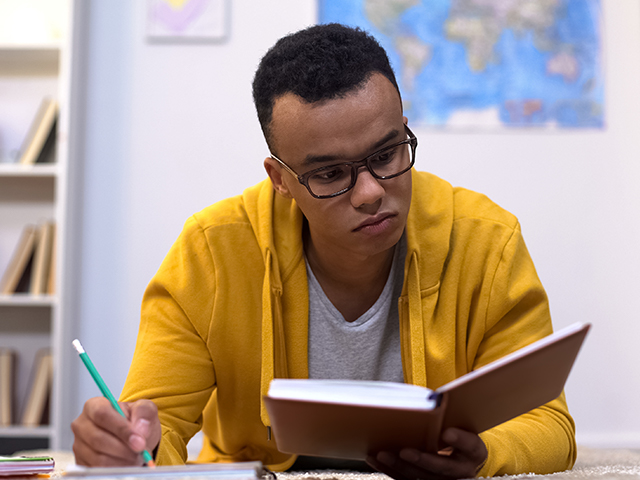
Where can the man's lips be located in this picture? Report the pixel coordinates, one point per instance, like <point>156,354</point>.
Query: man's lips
<point>375,220</point>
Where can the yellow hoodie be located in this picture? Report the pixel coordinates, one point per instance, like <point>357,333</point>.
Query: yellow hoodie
<point>227,311</point>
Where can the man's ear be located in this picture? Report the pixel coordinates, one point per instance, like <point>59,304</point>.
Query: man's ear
<point>406,120</point>
<point>274,170</point>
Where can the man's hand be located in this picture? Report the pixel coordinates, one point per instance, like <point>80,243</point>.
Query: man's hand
<point>104,438</point>
<point>463,460</point>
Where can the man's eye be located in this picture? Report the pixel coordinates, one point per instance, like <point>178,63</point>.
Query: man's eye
<point>329,175</point>
<point>384,157</point>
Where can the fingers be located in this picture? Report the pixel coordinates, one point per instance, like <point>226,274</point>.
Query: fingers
<point>385,465</point>
<point>97,436</point>
<point>411,464</point>
<point>466,445</point>
<point>463,460</point>
<point>104,438</point>
<point>106,455</point>
<point>434,466</point>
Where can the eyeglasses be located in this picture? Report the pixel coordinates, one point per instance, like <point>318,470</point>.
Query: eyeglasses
<point>334,180</point>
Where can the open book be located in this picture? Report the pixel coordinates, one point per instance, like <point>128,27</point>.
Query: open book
<point>351,419</point>
<point>25,466</point>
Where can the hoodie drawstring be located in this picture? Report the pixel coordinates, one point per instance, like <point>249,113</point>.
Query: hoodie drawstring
<point>416,326</point>
<point>274,359</point>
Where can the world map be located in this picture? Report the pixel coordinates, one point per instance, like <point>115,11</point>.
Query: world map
<point>488,63</point>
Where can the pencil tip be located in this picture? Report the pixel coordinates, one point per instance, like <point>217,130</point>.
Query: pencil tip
<point>151,464</point>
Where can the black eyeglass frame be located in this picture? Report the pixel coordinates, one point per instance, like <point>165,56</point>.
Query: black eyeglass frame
<point>412,141</point>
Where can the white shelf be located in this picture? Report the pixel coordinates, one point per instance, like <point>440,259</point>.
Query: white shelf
<point>34,46</point>
<point>26,432</point>
<point>28,300</point>
<point>26,59</point>
<point>36,170</point>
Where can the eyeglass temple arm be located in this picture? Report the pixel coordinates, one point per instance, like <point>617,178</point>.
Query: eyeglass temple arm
<point>287,167</point>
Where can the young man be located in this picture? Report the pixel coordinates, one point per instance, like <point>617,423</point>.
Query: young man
<point>345,263</point>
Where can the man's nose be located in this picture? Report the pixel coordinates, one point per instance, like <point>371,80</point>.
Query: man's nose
<point>367,189</point>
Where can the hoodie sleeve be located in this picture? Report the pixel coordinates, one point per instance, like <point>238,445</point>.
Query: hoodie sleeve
<point>172,365</point>
<point>543,440</point>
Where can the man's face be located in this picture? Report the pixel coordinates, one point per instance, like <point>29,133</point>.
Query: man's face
<point>368,219</point>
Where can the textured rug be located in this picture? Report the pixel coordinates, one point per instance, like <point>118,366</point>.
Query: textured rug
<point>592,463</point>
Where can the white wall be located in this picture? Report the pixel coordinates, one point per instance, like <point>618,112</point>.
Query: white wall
<point>168,130</point>
<point>171,128</point>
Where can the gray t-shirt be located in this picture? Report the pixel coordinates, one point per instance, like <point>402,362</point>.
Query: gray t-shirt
<point>365,349</point>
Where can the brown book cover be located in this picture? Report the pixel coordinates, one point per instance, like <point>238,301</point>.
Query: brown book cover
<point>484,398</point>
<point>42,259</point>
<point>7,385</point>
<point>20,260</point>
<point>51,280</point>
<point>40,132</point>
<point>36,406</point>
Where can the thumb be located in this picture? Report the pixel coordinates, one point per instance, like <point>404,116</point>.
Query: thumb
<point>139,434</point>
<point>145,426</point>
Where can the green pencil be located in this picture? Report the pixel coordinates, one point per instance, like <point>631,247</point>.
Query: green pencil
<point>106,392</point>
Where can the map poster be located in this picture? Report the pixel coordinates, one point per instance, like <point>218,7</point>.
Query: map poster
<point>488,63</point>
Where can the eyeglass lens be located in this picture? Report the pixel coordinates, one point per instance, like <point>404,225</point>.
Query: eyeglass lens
<point>385,163</point>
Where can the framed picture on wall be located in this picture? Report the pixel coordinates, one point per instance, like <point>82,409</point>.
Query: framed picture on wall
<point>186,20</point>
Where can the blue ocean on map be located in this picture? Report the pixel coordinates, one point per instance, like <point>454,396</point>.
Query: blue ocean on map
<point>488,63</point>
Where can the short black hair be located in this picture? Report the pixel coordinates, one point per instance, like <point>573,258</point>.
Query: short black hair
<point>321,62</point>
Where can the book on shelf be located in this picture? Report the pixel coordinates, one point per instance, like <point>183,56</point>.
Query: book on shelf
<point>352,419</point>
<point>7,385</point>
<point>20,261</point>
<point>42,258</point>
<point>51,280</point>
<point>26,465</point>
<point>38,142</point>
<point>32,265</point>
<point>36,409</point>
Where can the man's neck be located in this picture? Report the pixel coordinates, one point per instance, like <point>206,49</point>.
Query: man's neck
<point>352,283</point>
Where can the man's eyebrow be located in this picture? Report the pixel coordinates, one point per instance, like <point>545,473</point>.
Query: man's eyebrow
<point>312,159</point>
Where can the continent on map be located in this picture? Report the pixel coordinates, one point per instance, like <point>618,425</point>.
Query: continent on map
<point>385,13</point>
<point>415,54</point>
<point>565,64</point>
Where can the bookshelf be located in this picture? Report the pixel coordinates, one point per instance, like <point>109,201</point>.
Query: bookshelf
<point>34,64</point>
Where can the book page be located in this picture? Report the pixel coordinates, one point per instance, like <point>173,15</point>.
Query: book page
<point>354,392</point>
